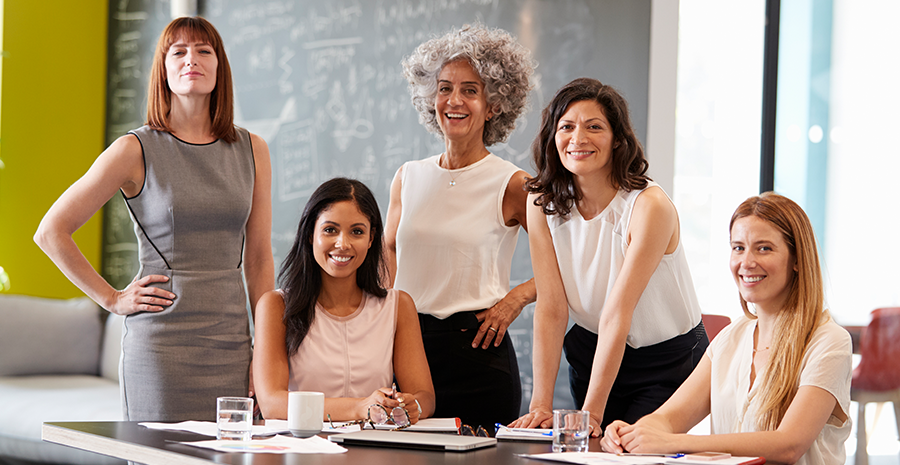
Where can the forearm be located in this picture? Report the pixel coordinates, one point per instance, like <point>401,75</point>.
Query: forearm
<point>346,408</point>
<point>524,293</point>
<point>260,276</point>
<point>606,363</point>
<point>775,446</point>
<point>549,332</point>
<point>426,401</point>
<point>64,253</point>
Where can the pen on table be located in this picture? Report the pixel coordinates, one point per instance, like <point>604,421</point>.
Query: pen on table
<point>523,430</point>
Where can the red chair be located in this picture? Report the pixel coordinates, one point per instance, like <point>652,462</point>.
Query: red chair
<point>714,324</point>
<point>877,377</point>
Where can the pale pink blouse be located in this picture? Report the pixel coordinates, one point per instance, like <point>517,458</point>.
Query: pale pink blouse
<point>348,356</point>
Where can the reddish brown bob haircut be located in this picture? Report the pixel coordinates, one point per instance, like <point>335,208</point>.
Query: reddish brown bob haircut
<point>159,96</point>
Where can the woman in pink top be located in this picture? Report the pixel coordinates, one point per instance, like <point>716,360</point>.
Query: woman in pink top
<point>333,328</point>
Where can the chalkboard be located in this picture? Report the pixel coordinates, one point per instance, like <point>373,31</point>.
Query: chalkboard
<point>321,82</point>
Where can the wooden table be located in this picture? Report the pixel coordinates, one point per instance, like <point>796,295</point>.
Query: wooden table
<point>129,441</point>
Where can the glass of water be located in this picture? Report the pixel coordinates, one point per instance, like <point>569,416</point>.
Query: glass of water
<point>571,430</point>
<point>234,418</point>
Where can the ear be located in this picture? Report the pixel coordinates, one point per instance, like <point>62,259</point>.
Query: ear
<point>490,114</point>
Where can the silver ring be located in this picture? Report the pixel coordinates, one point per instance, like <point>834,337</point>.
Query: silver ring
<point>492,329</point>
<point>419,406</point>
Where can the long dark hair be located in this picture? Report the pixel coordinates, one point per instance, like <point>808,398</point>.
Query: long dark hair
<point>301,276</point>
<point>553,181</point>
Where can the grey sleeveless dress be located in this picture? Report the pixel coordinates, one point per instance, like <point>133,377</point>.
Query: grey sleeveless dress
<point>190,219</point>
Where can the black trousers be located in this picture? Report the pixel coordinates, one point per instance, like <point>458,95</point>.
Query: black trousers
<point>647,377</point>
<point>480,386</point>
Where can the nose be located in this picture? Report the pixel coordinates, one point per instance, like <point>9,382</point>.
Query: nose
<point>190,58</point>
<point>577,135</point>
<point>455,98</point>
<point>341,241</point>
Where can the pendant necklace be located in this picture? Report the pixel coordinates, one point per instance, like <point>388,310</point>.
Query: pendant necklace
<point>450,171</point>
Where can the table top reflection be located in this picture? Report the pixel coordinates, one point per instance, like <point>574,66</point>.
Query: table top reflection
<point>129,441</point>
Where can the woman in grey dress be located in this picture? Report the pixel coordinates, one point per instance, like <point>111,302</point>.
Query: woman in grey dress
<point>198,189</point>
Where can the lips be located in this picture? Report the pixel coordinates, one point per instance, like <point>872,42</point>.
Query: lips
<point>341,258</point>
<point>752,279</point>
<point>579,154</point>
<point>455,116</point>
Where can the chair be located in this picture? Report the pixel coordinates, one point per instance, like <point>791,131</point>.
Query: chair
<point>877,377</point>
<point>714,324</point>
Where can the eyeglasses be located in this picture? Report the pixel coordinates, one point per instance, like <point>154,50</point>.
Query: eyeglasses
<point>377,415</point>
<point>466,430</point>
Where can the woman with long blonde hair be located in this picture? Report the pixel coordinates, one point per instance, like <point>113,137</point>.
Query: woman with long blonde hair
<point>777,380</point>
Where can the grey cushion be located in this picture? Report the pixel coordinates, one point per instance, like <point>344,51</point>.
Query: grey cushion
<point>112,347</point>
<point>49,336</point>
<point>29,401</point>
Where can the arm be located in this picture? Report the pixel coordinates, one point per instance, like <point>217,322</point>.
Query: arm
<point>654,226</point>
<point>687,407</point>
<point>271,370</point>
<point>410,363</point>
<point>551,315</point>
<point>259,265</point>
<point>119,167</point>
<point>270,359</point>
<point>802,423</point>
<point>504,312</point>
<point>392,222</point>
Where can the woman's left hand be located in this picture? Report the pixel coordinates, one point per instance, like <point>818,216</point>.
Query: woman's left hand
<point>408,402</point>
<point>495,321</point>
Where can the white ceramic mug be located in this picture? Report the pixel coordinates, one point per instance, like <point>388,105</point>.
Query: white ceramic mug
<point>305,412</point>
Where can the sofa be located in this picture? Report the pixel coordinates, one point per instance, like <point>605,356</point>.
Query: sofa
<point>58,362</point>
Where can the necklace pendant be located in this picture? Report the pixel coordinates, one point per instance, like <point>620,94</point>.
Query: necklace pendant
<point>452,183</point>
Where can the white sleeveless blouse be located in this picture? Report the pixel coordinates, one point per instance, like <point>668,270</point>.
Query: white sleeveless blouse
<point>454,251</point>
<point>590,254</point>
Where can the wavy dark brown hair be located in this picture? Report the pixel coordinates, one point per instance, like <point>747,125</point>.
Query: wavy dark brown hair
<point>554,184</point>
<point>301,276</point>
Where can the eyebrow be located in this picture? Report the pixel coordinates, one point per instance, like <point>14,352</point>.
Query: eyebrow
<point>338,224</point>
<point>196,44</point>
<point>586,121</point>
<point>476,83</point>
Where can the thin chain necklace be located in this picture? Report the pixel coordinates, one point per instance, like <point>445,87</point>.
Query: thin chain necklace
<point>449,170</point>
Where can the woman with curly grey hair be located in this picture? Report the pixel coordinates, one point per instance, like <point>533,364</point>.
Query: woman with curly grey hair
<point>454,218</point>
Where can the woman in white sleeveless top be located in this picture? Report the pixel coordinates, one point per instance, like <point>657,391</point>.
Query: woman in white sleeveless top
<point>454,219</point>
<point>776,381</point>
<point>333,328</point>
<point>605,249</point>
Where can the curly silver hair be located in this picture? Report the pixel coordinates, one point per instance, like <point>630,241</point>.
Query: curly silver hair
<point>504,65</point>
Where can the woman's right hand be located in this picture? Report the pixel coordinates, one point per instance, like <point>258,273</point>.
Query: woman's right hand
<point>537,418</point>
<point>139,296</point>
<point>612,441</point>
<point>380,396</point>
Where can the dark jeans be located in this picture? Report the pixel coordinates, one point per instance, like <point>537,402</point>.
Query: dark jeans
<point>647,377</point>
<point>479,386</point>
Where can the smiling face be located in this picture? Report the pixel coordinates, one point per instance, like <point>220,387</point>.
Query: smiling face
<point>460,102</point>
<point>762,264</point>
<point>584,139</point>
<point>341,239</point>
<point>191,67</point>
